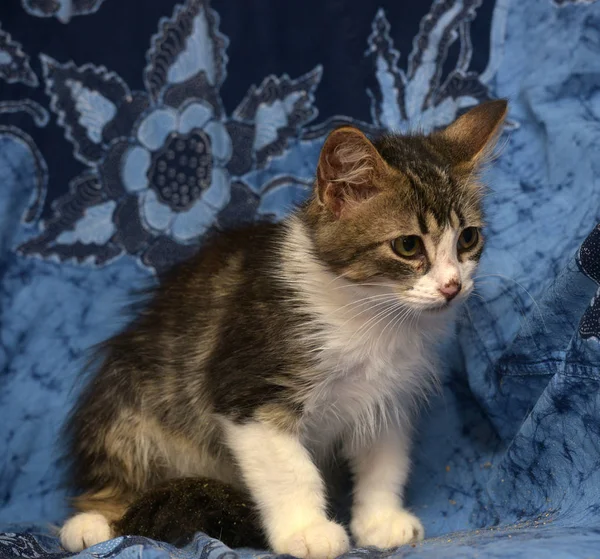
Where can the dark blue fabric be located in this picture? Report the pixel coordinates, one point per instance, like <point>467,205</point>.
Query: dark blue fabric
<point>128,130</point>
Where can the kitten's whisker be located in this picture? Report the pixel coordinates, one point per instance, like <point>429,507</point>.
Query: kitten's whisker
<point>475,294</point>
<point>379,304</point>
<point>371,322</point>
<point>501,276</point>
<point>392,308</point>
<point>394,319</point>
<point>402,317</point>
<point>381,319</point>
<point>379,314</point>
<point>413,319</point>
<point>366,327</point>
<point>364,300</point>
<point>367,284</point>
<point>338,277</point>
<point>524,320</point>
<point>470,316</point>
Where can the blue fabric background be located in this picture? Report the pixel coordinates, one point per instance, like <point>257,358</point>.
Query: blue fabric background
<point>129,130</point>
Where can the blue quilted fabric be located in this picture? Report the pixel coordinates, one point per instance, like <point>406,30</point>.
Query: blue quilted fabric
<point>128,132</point>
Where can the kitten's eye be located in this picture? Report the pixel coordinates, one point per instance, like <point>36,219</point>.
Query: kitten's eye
<point>407,247</point>
<point>468,238</point>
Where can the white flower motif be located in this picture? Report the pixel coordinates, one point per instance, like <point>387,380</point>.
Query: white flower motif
<point>176,166</point>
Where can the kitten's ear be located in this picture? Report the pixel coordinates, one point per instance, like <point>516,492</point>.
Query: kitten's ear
<point>472,137</point>
<point>348,167</point>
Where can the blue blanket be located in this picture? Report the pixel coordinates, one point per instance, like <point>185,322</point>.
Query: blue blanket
<point>130,130</point>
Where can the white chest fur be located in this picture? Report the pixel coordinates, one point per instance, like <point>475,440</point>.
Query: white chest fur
<point>373,358</point>
<point>366,382</point>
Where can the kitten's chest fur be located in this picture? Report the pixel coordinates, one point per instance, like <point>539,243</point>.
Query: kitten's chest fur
<point>370,376</point>
<point>371,359</point>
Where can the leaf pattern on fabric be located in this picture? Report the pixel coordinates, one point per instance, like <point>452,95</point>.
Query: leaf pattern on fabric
<point>14,63</point>
<point>63,10</point>
<point>169,156</point>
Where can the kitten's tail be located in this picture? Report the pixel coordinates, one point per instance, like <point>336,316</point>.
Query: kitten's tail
<point>174,511</point>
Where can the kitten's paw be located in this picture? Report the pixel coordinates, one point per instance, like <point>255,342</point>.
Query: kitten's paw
<point>322,540</point>
<point>386,528</point>
<point>84,530</point>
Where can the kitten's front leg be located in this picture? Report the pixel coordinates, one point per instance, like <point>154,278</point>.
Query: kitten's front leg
<point>378,517</point>
<point>289,491</point>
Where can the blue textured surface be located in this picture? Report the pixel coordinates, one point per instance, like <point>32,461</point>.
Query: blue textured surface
<point>102,108</point>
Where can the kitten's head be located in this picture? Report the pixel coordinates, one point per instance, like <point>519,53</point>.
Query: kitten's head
<point>405,211</point>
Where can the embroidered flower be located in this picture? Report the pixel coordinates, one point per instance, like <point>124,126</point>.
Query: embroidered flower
<point>63,10</point>
<point>14,63</point>
<point>168,164</point>
<point>178,164</point>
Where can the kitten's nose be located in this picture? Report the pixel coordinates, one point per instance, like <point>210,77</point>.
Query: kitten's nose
<point>451,290</point>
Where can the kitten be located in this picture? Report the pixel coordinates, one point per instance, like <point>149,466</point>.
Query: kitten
<point>280,342</point>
